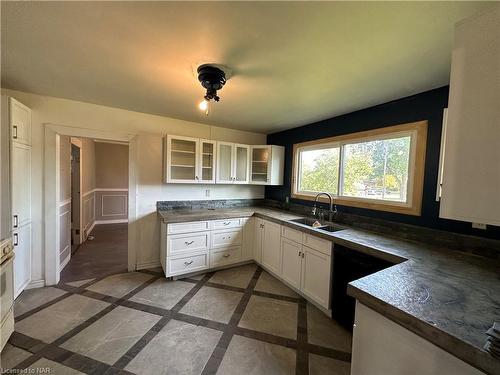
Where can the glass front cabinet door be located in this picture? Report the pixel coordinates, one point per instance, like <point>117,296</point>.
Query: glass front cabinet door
<point>182,159</point>
<point>207,151</point>
<point>232,163</point>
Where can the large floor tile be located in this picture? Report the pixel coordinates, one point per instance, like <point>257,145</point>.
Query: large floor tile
<point>326,332</point>
<point>31,298</point>
<point>197,277</point>
<point>120,284</point>
<point>319,365</point>
<point>271,316</point>
<point>213,304</point>
<point>246,356</point>
<point>79,283</point>
<point>178,349</point>
<point>238,277</point>
<point>12,356</point>
<point>269,284</point>
<point>57,319</point>
<point>112,335</point>
<point>45,366</point>
<point>163,293</point>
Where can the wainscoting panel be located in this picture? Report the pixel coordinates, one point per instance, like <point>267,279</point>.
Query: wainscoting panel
<point>88,212</point>
<point>111,205</point>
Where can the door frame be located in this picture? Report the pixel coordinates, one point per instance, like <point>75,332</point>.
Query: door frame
<point>52,133</point>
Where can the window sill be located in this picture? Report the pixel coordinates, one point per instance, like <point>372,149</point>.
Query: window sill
<point>371,205</point>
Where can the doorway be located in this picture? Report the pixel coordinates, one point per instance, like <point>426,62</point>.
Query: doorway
<point>99,209</point>
<point>90,201</point>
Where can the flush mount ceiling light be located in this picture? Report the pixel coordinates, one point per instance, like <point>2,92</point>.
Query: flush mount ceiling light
<point>213,79</point>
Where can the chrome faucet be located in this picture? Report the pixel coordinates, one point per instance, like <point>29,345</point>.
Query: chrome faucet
<point>333,208</point>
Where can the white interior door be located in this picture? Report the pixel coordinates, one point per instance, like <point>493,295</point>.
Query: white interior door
<point>75,196</point>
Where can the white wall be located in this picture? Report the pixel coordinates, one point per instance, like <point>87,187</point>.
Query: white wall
<point>150,130</point>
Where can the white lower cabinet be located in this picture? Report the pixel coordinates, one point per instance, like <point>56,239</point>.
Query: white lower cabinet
<point>305,268</point>
<point>271,246</point>
<point>225,256</point>
<point>292,262</point>
<point>316,275</point>
<point>190,247</point>
<point>375,336</point>
<point>257,246</point>
<point>248,226</point>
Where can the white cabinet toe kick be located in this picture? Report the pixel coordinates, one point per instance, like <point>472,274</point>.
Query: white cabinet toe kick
<point>300,260</point>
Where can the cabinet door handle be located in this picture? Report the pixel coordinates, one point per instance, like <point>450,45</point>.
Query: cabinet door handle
<point>226,255</point>
<point>300,254</point>
<point>14,132</point>
<point>303,255</point>
<point>188,243</point>
<point>16,239</point>
<point>188,263</point>
<point>16,221</point>
<point>197,178</point>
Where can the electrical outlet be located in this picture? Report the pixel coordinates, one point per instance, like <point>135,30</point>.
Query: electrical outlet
<point>207,193</point>
<point>479,226</point>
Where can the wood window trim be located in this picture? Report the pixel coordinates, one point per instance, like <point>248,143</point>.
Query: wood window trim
<point>415,209</point>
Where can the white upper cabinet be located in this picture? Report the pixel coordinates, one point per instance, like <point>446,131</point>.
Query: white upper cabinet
<point>232,163</point>
<point>266,165</point>
<point>190,160</point>
<point>20,122</point>
<point>471,167</point>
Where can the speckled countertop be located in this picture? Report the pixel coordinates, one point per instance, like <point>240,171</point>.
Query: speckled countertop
<point>448,297</point>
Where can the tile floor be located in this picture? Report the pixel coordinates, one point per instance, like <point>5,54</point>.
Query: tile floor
<point>235,321</point>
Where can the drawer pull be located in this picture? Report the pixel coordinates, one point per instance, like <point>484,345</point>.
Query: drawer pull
<point>188,263</point>
<point>226,238</point>
<point>189,243</point>
<point>226,255</point>
<point>227,223</point>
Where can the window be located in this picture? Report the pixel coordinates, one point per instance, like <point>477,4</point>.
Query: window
<point>378,169</point>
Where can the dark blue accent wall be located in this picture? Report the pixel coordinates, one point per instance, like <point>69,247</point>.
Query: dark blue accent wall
<point>424,106</point>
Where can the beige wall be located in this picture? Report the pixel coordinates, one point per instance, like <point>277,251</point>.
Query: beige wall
<point>111,170</point>
<point>149,130</point>
<point>87,158</point>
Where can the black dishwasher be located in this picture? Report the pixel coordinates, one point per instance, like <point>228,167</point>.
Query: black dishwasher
<point>349,265</point>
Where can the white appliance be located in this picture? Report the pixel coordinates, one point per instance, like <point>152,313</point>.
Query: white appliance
<point>6,246</point>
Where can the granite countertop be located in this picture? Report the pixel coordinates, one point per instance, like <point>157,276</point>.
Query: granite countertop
<point>448,297</point>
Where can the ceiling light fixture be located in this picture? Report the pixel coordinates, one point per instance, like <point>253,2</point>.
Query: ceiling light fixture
<point>212,79</point>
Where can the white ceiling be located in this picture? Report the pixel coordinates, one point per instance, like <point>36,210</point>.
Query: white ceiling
<point>292,62</point>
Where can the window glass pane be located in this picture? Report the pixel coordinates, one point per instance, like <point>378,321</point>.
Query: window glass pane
<point>319,170</point>
<point>377,169</point>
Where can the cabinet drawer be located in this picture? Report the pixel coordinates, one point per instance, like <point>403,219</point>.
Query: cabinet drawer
<point>291,234</point>
<point>318,244</point>
<point>226,238</point>
<point>189,227</point>
<point>227,256</point>
<point>183,243</point>
<point>223,224</point>
<point>180,265</point>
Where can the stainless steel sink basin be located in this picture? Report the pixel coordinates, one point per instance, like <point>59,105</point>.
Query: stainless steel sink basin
<point>309,221</point>
<point>330,228</point>
<point>306,221</point>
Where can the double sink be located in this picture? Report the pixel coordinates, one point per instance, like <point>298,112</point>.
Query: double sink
<point>309,223</point>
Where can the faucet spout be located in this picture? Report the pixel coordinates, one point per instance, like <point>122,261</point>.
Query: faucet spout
<point>333,208</point>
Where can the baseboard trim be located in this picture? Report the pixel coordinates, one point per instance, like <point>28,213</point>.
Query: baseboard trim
<point>65,262</point>
<point>35,284</point>
<point>116,221</point>
<point>146,265</point>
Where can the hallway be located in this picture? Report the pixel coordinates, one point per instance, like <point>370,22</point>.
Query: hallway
<point>106,254</point>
